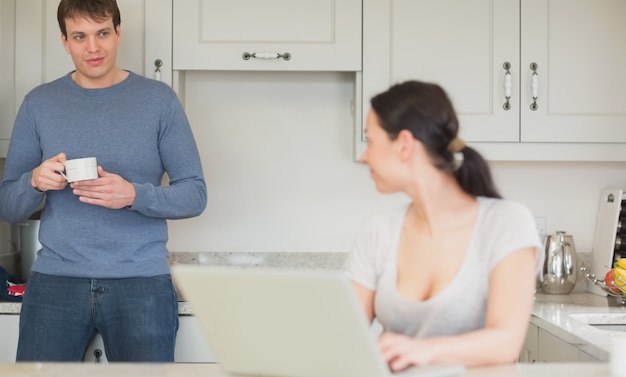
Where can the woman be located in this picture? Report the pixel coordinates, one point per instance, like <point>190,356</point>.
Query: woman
<point>451,275</point>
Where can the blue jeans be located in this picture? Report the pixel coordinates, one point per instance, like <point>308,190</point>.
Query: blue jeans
<point>137,318</point>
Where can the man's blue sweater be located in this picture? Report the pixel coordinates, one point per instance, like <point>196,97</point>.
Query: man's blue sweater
<point>136,129</point>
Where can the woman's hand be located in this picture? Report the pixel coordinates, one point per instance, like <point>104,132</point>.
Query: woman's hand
<point>401,351</point>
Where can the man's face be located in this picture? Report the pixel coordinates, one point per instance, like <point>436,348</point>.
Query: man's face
<point>93,47</point>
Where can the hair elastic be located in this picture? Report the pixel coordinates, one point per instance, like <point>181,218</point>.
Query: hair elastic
<point>456,145</point>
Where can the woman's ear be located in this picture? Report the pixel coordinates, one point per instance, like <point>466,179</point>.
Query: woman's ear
<point>406,143</point>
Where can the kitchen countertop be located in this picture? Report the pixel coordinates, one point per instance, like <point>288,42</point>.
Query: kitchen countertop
<point>282,260</point>
<point>565,316</point>
<point>289,260</point>
<point>213,370</point>
<point>550,312</point>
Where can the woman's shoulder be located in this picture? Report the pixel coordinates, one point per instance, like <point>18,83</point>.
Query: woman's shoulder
<point>507,226</point>
<point>500,206</point>
<point>498,213</point>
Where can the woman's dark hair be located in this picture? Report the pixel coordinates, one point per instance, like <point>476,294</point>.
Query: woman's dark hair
<point>97,10</point>
<point>426,111</point>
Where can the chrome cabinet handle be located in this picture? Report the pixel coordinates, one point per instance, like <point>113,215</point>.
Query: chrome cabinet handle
<point>265,55</point>
<point>508,86</point>
<point>157,69</point>
<point>534,86</point>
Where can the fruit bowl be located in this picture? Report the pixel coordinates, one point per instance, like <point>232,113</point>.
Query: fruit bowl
<point>619,283</point>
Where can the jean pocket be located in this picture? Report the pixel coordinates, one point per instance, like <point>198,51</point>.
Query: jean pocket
<point>166,284</point>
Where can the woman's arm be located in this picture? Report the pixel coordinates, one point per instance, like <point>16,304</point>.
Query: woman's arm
<point>511,289</point>
<point>366,297</point>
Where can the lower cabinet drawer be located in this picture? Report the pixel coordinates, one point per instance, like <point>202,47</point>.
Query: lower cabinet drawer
<point>587,358</point>
<point>95,352</point>
<point>554,349</point>
<point>191,345</point>
<point>9,328</point>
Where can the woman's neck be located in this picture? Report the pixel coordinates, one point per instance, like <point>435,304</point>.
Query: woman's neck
<point>438,203</point>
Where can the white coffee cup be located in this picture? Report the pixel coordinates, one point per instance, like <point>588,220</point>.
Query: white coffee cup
<point>81,169</point>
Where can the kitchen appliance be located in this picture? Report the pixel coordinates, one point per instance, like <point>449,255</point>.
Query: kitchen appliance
<point>19,244</point>
<point>29,245</point>
<point>560,266</point>
<point>9,250</point>
<point>609,243</point>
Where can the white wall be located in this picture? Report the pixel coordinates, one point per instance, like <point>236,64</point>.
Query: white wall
<point>567,195</point>
<point>277,153</point>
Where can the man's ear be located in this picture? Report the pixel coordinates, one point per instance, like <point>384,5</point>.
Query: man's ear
<point>118,31</point>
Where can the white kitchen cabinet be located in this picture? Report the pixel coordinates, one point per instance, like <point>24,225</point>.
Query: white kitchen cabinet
<point>543,346</point>
<point>7,64</point>
<point>317,35</point>
<point>580,54</point>
<point>464,45</point>
<point>191,345</point>
<point>554,349</point>
<point>530,349</point>
<point>584,357</point>
<point>95,351</point>
<point>461,45</point>
<point>9,328</point>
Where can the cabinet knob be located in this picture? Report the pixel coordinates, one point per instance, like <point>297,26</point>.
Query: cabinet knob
<point>97,353</point>
<point>157,69</point>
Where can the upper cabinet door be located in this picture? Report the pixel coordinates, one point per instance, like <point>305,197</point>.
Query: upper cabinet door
<point>460,45</point>
<point>305,35</point>
<point>146,31</point>
<point>7,79</point>
<point>580,53</point>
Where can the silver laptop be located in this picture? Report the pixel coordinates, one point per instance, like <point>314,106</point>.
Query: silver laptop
<point>267,322</point>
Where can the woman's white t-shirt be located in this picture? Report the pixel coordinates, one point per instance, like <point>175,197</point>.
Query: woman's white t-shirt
<point>502,227</point>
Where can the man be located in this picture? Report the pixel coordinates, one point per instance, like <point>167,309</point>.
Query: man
<point>103,266</point>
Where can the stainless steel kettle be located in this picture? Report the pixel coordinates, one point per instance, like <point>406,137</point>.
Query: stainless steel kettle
<point>560,266</point>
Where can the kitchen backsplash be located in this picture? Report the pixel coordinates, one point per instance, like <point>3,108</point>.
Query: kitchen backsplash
<point>584,263</point>
<point>289,260</point>
<point>310,260</point>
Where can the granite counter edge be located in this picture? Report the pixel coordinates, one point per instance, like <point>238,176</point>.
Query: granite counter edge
<point>280,260</point>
